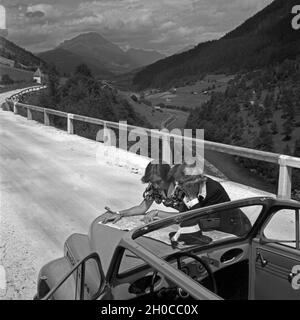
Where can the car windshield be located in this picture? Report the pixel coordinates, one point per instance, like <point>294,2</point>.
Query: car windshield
<point>207,228</point>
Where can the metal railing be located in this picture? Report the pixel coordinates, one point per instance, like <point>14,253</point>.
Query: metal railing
<point>27,90</point>
<point>285,163</point>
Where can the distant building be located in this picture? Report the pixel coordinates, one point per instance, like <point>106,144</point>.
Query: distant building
<point>38,76</point>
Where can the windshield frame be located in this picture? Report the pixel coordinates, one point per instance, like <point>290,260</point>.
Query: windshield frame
<point>197,213</point>
<point>195,289</point>
<point>183,281</point>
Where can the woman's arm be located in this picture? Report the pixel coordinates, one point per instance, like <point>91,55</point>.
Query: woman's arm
<point>114,216</point>
<point>137,210</point>
<point>157,214</point>
<point>165,214</point>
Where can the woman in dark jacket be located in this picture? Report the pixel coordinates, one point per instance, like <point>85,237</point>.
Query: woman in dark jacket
<point>201,191</point>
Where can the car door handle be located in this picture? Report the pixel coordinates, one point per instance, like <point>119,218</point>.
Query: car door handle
<point>230,260</point>
<point>260,258</point>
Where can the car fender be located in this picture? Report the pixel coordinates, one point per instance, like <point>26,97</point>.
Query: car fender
<point>49,277</point>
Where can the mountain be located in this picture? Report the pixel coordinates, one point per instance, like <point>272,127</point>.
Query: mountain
<point>21,56</point>
<point>187,48</point>
<point>144,57</point>
<point>265,39</point>
<point>67,61</point>
<point>99,54</point>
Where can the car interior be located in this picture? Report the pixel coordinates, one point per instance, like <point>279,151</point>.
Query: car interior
<point>224,271</point>
<point>223,266</point>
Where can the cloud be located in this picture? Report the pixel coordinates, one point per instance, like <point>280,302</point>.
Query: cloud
<point>35,14</point>
<point>165,25</point>
<point>48,10</point>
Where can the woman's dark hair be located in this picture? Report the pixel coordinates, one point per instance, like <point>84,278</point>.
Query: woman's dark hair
<point>160,169</point>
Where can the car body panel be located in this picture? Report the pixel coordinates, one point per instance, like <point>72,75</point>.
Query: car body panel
<point>104,240</point>
<point>272,265</point>
<point>52,272</point>
<point>110,244</point>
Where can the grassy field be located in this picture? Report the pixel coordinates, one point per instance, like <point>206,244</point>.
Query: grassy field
<point>157,117</point>
<point>189,96</point>
<point>16,74</point>
<point>193,95</point>
<point>19,85</point>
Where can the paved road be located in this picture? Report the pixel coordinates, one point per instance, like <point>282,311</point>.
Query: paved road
<point>51,185</point>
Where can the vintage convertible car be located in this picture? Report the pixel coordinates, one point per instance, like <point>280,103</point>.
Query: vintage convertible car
<point>224,259</point>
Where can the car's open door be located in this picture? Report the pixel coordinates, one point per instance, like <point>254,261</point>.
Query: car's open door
<point>275,258</point>
<point>83,287</point>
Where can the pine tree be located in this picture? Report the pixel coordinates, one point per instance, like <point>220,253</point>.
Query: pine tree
<point>287,129</point>
<point>297,148</point>
<point>274,127</point>
<point>83,70</point>
<point>287,150</point>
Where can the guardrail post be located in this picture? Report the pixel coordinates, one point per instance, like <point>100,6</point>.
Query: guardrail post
<point>15,107</point>
<point>285,179</point>
<point>46,118</point>
<point>29,114</point>
<point>70,123</point>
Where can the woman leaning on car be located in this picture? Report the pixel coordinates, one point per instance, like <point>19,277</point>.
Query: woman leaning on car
<point>201,191</point>
<point>182,187</point>
<point>159,189</point>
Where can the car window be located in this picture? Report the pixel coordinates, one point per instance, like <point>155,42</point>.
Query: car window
<point>282,227</point>
<point>129,262</point>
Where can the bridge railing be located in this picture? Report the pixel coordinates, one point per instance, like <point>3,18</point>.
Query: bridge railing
<point>285,163</point>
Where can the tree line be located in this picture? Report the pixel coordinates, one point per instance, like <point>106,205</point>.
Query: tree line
<point>259,110</point>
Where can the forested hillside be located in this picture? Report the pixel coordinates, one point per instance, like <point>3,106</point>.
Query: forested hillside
<point>83,94</point>
<point>265,39</point>
<point>259,110</point>
<point>21,56</point>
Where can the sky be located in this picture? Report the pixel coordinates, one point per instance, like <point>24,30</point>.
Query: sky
<point>167,26</point>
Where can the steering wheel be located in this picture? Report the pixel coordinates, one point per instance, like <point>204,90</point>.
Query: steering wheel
<point>181,293</point>
<point>205,266</point>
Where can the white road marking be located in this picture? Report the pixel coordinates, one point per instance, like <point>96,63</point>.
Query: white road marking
<point>2,278</point>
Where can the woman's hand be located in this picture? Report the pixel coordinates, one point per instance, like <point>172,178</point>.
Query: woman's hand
<point>110,216</point>
<point>150,216</point>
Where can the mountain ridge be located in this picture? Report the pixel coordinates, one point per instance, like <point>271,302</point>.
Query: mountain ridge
<point>262,40</point>
<point>101,55</point>
<point>12,51</point>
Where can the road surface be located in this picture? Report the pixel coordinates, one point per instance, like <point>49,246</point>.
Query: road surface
<point>51,186</point>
